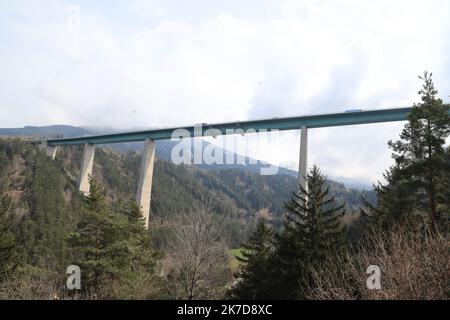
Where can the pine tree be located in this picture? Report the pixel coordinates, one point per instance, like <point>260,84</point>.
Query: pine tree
<point>139,276</point>
<point>420,150</point>
<point>8,259</point>
<point>91,238</point>
<point>395,201</point>
<point>138,236</point>
<point>311,230</point>
<point>255,267</point>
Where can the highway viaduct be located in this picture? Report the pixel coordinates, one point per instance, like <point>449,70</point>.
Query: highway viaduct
<point>303,123</point>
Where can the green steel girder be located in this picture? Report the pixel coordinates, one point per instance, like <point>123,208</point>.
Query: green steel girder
<point>290,123</point>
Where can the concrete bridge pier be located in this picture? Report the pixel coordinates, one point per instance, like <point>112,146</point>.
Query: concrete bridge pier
<point>144,190</point>
<point>86,168</point>
<point>303,161</point>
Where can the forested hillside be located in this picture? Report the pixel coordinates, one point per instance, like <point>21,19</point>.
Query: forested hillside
<point>46,200</point>
<point>404,238</point>
<point>45,203</point>
<point>47,208</point>
<point>163,147</point>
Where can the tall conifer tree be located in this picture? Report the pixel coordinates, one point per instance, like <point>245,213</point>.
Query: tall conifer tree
<point>111,246</point>
<point>311,230</point>
<point>420,151</point>
<point>254,274</point>
<point>396,203</point>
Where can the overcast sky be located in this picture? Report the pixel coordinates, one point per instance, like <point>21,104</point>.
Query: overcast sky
<point>160,63</point>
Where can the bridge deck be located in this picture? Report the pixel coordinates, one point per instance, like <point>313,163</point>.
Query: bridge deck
<point>289,123</point>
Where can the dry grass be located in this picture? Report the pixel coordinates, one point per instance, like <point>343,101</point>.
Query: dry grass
<point>33,284</point>
<point>415,264</point>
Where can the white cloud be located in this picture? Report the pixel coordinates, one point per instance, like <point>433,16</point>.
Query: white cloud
<point>164,63</point>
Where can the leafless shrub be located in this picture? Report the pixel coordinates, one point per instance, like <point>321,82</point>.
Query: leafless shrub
<point>198,259</point>
<point>414,262</point>
<point>144,285</point>
<point>33,284</point>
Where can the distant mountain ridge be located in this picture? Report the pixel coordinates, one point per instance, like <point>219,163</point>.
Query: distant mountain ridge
<point>163,147</point>
<point>45,194</point>
<point>45,131</point>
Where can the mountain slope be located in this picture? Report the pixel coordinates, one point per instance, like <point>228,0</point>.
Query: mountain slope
<point>46,199</point>
<point>45,131</point>
<point>163,147</point>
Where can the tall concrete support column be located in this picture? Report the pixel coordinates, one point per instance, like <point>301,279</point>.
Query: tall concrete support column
<point>50,150</point>
<point>303,161</point>
<point>144,191</point>
<point>86,168</point>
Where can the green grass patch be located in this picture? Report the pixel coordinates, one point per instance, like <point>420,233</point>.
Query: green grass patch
<point>234,262</point>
